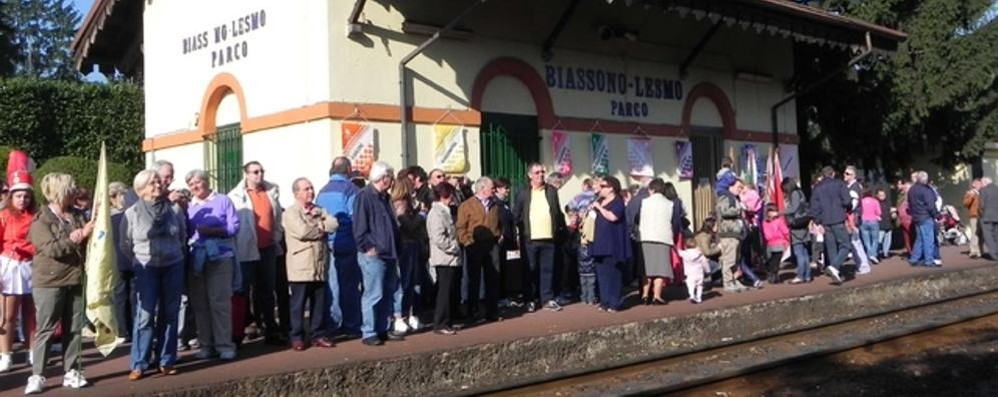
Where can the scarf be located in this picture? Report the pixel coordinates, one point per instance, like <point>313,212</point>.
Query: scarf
<point>159,212</point>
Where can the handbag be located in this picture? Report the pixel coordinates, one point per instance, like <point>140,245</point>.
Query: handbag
<point>588,234</point>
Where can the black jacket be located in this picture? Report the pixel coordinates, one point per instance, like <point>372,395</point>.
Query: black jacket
<point>829,201</point>
<point>521,212</point>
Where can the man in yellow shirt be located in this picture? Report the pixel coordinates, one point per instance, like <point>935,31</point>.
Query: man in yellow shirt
<point>537,212</point>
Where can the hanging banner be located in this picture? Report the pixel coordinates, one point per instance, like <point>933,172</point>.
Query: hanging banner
<point>639,157</point>
<point>789,161</point>
<point>450,150</point>
<point>562,153</point>
<point>749,165</point>
<point>601,154</point>
<point>358,146</point>
<point>684,154</point>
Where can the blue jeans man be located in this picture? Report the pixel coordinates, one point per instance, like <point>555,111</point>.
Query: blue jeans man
<point>924,250</point>
<point>158,287</point>
<point>837,247</point>
<point>343,293</point>
<point>886,240</point>
<point>540,258</point>
<point>376,303</point>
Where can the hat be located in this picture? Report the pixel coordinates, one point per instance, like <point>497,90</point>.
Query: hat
<point>19,180</point>
<point>19,167</point>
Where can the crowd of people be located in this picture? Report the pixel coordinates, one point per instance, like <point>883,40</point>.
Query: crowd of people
<point>367,257</point>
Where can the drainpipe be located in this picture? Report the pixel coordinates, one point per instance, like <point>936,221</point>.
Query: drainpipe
<point>354,19</point>
<point>404,86</point>
<point>867,50</point>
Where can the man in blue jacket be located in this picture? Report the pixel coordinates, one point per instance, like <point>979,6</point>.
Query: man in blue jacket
<point>923,211</point>
<point>377,236</point>
<point>829,201</point>
<point>337,198</point>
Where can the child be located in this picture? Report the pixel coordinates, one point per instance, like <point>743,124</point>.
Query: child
<point>777,235</point>
<point>587,268</point>
<point>725,177</point>
<point>695,265</point>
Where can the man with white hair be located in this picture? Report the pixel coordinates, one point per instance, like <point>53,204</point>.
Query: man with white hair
<point>972,200</point>
<point>859,254</point>
<point>989,216</point>
<point>377,237</point>
<point>479,232</point>
<point>923,210</point>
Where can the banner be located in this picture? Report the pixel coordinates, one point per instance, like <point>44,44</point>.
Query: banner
<point>774,173</point>
<point>601,154</point>
<point>101,270</point>
<point>450,152</point>
<point>562,153</point>
<point>639,157</point>
<point>358,146</point>
<point>684,156</point>
<point>790,161</point>
<point>752,172</point>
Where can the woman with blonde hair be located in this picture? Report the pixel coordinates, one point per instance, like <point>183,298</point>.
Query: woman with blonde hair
<point>412,230</point>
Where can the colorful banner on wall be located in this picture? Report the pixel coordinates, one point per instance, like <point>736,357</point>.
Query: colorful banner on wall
<point>639,157</point>
<point>601,154</point>
<point>749,164</point>
<point>684,156</point>
<point>562,151</point>
<point>358,146</point>
<point>789,161</point>
<point>450,151</point>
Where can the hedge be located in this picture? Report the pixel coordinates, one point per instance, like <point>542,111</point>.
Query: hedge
<point>49,118</point>
<point>84,171</point>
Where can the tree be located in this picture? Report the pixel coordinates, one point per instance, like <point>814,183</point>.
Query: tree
<point>9,54</point>
<point>44,32</point>
<point>936,96</point>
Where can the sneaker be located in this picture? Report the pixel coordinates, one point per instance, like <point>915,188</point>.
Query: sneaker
<point>31,357</point>
<point>757,284</point>
<point>531,307</point>
<point>834,274</point>
<point>372,341</point>
<point>227,356</point>
<point>5,362</point>
<point>205,354</point>
<point>74,379</point>
<point>400,326</point>
<point>35,384</point>
<point>414,324</point>
<point>552,306</point>
<point>505,303</point>
<point>937,262</point>
<point>874,260</point>
<point>735,289</point>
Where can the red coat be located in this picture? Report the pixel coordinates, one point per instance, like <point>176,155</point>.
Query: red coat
<point>14,235</point>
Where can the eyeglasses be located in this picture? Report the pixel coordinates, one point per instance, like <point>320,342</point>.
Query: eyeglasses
<point>605,186</point>
<point>256,172</point>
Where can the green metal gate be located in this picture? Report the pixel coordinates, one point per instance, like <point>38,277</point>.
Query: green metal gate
<point>509,144</point>
<point>223,156</point>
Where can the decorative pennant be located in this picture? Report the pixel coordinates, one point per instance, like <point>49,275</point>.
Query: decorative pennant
<point>358,145</point>
<point>450,150</point>
<point>639,157</point>
<point>790,161</point>
<point>562,152</point>
<point>601,154</point>
<point>684,154</point>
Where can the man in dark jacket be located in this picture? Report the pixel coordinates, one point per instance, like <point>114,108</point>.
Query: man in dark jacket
<point>508,242</point>
<point>377,237</point>
<point>922,207</point>
<point>538,214</point>
<point>989,216</point>
<point>829,201</point>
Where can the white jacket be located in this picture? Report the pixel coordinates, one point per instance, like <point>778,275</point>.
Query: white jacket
<point>246,243</point>
<point>655,220</point>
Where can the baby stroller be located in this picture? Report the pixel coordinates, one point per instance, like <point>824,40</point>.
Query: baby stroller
<point>951,230</point>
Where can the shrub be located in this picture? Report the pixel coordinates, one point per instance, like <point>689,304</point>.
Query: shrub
<point>84,171</point>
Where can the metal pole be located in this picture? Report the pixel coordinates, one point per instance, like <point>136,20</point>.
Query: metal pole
<point>403,85</point>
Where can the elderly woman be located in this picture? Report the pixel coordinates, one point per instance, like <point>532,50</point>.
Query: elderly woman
<point>444,257</point>
<point>306,227</point>
<point>656,233</point>
<point>16,253</point>
<point>59,234</point>
<point>611,247</point>
<point>152,241</point>
<point>124,288</point>
<point>214,223</point>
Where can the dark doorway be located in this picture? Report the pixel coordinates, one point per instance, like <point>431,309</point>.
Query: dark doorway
<point>708,152</point>
<point>509,143</point>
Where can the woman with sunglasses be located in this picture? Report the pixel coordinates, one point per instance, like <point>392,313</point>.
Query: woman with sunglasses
<point>611,248</point>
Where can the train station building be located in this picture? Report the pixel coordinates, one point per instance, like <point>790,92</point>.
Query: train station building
<point>625,87</point>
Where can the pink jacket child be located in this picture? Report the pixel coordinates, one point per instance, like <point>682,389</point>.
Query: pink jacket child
<point>777,234</point>
<point>871,209</point>
<point>753,204</point>
<point>695,265</point>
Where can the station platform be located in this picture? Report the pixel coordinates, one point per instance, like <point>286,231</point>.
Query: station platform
<point>530,347</point>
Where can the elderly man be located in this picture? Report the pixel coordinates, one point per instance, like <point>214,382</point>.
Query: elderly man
<point>377,236</point>
<point>859,254</point>
<point>989,216</point>
<point>923,210</point>
<point>344,279</point>
<point>731,230</point>
<point>972,200</point>
<point>306,227</point>
<point>258,244</point>
<point>829,202</point>
<point>479,231</point>
<point>538,214</point>
<point>187,329</point>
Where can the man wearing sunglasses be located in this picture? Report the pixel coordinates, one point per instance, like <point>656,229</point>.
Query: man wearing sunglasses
<point>537,212</point>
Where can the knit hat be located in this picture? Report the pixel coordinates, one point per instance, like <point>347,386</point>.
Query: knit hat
<point>19,167</point>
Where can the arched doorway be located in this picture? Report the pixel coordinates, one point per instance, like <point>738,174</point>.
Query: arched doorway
<point>223,114</point>
<point>708,123</point>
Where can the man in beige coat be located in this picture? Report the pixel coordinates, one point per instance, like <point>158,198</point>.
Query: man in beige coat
<point>306,227</point>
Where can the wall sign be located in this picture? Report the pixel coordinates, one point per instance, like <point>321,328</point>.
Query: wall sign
<point>637,93</point>
<point>226,41</point>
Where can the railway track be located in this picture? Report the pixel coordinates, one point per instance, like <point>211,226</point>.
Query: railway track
<point>688,373</point>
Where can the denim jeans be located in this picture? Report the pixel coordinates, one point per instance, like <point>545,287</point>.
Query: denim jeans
<point>886,240</point>
<point>343,293</point>
<point>380,281</point>
<point>870,232</point>
<point>588,287</point>
<point>261,275</point>
<point>803,261</point>
<point>405,295</point>
<point>156,285</point>
<point>924,249</point>
<point>540,257</point>
<point>837,245</point>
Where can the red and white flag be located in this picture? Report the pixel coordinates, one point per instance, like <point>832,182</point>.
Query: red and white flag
<point>774,179</point>
<point>358,146</point>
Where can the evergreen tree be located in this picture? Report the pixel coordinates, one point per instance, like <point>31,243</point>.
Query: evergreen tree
<point>43,33</point>
<point>8,51</point>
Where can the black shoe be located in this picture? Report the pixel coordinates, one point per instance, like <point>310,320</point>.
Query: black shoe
<point>372,341</point>
<point>646,301</point>
<point>392,336</point>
